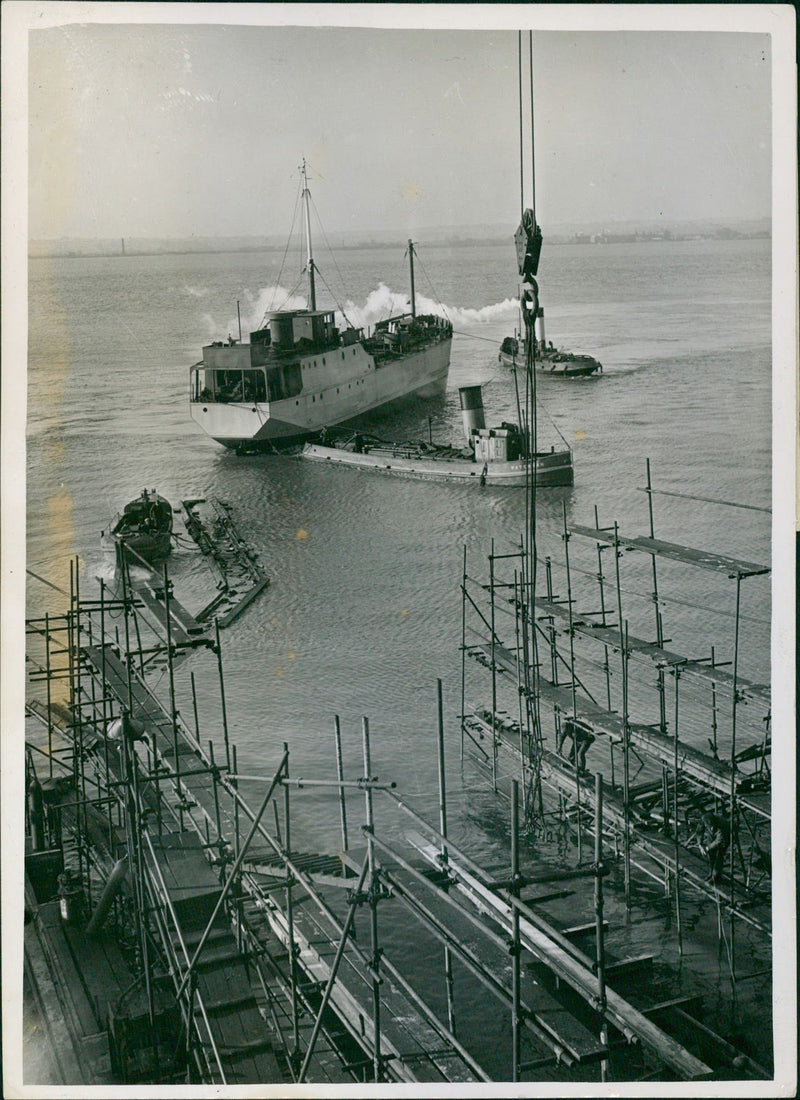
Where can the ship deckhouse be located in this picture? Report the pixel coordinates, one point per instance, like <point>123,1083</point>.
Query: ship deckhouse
<point>296,353</point>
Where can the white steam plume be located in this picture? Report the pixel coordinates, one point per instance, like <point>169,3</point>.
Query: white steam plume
<point>380,304</point>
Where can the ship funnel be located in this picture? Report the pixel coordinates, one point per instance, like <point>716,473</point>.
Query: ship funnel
<point>471,409</point>
<point>281,327</point>
<point>540,335</point>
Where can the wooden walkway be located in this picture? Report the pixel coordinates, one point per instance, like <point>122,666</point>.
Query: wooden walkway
<point>702,768</point>
<point>411,1049</point>
<point>688,555</point>
<point>651,851</point>
<point>593,628</point>
<point>238,1049</point>
<point>543,943</point>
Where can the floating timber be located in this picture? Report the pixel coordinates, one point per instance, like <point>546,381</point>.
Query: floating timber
<point>238,580</point>
<point>210,524</point>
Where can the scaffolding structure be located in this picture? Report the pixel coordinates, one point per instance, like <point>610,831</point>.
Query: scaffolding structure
<point>130,785</point>
<point>587,673</point>
<point>225,920</point>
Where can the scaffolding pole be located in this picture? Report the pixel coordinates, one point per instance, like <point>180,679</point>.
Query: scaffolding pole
<point>337,733</point>
<point>494,670</point>
<point>374,891</point>
<point>292,946</point>
<point>675,817</point>
<point>626,747</point>
<point>598,910</point>
<point>448,959</point>
<point>573,686</point>
<point>516,1049</point>
<point>463,647</point>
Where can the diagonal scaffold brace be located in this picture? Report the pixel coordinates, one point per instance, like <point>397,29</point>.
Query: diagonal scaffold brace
<point>276,779</point>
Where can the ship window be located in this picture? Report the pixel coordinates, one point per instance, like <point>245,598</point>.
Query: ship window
<point>337,389</point>
<point>255,385</point>
<point>284,381</point>
<point>342,355</point>
<point>231,385</point>
<point>354,351</point>
<point>323,360</point>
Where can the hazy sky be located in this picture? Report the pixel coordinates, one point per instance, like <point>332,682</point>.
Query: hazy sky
<point>180,130</point>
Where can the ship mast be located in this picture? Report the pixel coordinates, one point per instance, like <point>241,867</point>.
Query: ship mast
<point>411,267</point>
<point>309,256</point>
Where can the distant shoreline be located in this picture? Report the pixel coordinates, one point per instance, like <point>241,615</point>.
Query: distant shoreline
<point>476,242</point>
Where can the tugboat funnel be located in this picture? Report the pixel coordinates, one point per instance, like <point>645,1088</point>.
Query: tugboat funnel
<point>540,334</point>
<point>471,409</point>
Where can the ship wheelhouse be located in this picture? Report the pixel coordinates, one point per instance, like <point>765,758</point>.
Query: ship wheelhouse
<point>270,367</point>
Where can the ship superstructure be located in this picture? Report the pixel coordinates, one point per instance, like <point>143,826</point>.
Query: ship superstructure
<point>301,373</point>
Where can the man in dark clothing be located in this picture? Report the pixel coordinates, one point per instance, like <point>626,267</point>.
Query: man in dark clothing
<point>715,839</point>
<point>582,737</point>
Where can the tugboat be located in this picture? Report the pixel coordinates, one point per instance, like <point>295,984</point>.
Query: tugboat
<point>548,360</point>
<point>144,526</point>
<point>300,373</point>
<point>493,456</point>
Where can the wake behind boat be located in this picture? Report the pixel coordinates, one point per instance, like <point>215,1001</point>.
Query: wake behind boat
<point>300,373</point>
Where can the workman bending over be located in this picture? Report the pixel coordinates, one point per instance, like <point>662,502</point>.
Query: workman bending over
<point>582,737</point>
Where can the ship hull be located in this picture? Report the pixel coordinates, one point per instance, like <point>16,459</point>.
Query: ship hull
<point>339,400</point>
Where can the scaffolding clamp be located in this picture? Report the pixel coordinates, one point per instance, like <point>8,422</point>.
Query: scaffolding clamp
<point>357,897</point>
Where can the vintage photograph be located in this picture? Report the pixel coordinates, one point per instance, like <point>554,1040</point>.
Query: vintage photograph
<point>399,497</point>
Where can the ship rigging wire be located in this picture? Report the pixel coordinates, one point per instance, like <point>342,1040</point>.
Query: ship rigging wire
<point>285,253</point>
<point>436,297</point>
<point>332,254</point>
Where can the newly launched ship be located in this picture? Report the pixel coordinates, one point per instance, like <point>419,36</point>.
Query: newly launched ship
<point>301,373</point>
